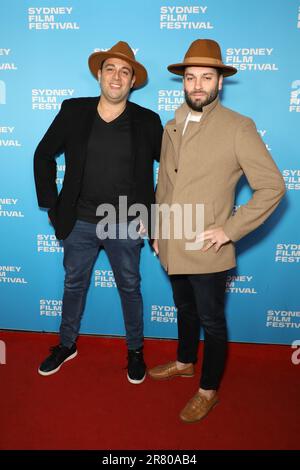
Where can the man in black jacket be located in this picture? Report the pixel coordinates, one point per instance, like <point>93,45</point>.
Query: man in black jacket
<point>109,145</point>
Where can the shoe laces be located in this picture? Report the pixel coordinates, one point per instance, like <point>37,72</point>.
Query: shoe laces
<point>134,356</point>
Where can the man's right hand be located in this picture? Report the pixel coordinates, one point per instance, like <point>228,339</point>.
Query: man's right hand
<point>155,246</point>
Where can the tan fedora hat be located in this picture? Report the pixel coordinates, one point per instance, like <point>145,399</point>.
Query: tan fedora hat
<point>121,50</point>
<point>203,53</point>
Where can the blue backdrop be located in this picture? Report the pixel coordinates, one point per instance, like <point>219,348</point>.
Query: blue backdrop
<point>44,48</point>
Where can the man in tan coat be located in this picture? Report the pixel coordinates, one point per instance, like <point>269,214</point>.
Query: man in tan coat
<point>205,151</point>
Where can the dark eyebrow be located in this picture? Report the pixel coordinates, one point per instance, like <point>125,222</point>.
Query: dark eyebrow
<point>205,74</point>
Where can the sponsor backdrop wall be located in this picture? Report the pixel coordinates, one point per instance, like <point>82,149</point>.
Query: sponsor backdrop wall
<point>44,46</point>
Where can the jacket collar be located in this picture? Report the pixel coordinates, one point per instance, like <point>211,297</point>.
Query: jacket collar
<point>182,112</point>
<point>175,127</point>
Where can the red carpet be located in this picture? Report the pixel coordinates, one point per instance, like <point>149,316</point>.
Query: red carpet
<point>89,404</point>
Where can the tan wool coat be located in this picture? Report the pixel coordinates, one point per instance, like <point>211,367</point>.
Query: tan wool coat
<point>203,167</point>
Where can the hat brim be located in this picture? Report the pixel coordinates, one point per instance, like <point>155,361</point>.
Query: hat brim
<point>178,69</point>
<point>96,59</point>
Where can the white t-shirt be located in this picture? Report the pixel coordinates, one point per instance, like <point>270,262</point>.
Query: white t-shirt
<point>193,118</point>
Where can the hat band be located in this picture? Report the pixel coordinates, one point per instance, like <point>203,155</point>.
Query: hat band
<point>199,60</point>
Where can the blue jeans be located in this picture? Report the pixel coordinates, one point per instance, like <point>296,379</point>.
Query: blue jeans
<point>81,249</point>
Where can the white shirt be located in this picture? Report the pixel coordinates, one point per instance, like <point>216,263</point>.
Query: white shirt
<point>193,118</point>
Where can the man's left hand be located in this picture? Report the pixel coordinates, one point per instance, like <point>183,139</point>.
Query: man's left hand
<point>214,238</point>
<point>142,230</point>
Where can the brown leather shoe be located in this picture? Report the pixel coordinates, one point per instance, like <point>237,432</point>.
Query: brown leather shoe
<point>197,407</point>
<point>169,370</point>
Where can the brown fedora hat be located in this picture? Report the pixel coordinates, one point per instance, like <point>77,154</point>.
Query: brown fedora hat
<point>121,50</point>
<point>203,53</point>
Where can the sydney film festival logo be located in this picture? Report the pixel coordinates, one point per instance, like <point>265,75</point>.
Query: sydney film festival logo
<point>7,132</point>
<point>295,97</point>
<point>49,99</point>
<point>104,278</point>
<point>51,18</point>
<point>254,59</point>
<point>4,64</point>
<point>12,275</point>
<point>192,17</point>
<point>163,314</point>
<point>104,49</point>
<point>9,207</point>
<point>169,100</point>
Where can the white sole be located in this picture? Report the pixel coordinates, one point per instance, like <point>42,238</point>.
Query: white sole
<point>57,369</point>
<point>136,382</point>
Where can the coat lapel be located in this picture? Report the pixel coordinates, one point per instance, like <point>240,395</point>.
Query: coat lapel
<point>194,130</point>
<point>135,134</point>
<point>87,118</point>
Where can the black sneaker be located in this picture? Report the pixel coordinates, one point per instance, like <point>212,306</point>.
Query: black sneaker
<point>136,366</point>
<point>59,355</point>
